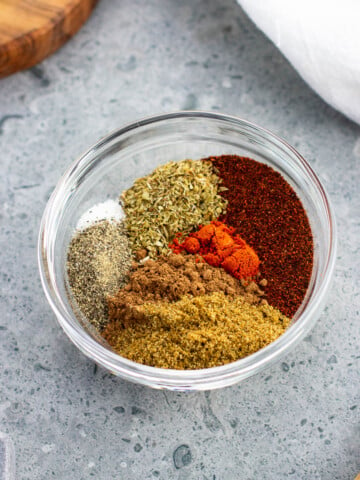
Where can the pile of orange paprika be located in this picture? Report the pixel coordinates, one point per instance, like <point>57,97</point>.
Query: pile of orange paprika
<point>220,246</point>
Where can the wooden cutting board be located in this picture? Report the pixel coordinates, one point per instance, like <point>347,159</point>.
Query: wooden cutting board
<point>30,30</point>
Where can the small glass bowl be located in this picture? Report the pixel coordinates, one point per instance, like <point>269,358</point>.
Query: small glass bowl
<point>111,166</point>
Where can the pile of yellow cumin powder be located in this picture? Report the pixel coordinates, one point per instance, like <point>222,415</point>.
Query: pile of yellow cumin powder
<point>197,332</point>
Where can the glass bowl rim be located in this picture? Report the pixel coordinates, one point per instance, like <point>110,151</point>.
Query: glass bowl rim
<point>213,377</point>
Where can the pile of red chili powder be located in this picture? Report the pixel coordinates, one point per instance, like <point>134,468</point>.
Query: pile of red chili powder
<point>266,212</point>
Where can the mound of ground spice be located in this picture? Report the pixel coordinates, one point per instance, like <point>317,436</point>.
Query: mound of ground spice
<point>270,217</point>
<point>197,332</point>
<point>171,277</point>
<point>221,247</point>
<point>98,262</point>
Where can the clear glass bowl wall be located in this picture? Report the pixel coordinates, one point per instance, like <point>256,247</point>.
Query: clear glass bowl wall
<point>113,164</point>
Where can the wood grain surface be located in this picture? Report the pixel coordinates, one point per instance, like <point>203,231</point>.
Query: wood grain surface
<point>30,30</point>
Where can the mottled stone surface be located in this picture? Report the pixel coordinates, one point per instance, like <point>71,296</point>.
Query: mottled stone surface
<point>71,420</point>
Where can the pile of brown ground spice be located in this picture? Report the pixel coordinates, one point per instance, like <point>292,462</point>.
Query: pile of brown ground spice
<point>98,262</point>
<point>171,277</point>
<point>197,332</point>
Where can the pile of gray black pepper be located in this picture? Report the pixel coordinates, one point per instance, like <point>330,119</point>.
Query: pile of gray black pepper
<point>98,263</point>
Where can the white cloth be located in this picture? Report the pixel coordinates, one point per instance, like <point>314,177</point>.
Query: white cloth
<point>321,38</point>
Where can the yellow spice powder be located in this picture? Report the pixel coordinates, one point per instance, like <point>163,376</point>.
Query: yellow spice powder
<point>197,332</point>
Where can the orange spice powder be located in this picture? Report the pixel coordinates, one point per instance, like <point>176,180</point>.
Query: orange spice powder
<point>220,246</point>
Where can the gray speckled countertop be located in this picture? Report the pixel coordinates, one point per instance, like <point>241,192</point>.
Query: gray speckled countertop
<point>69,419</point>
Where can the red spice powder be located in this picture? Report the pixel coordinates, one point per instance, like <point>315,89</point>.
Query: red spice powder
<point>219,246</point>
<point>270,217</point>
